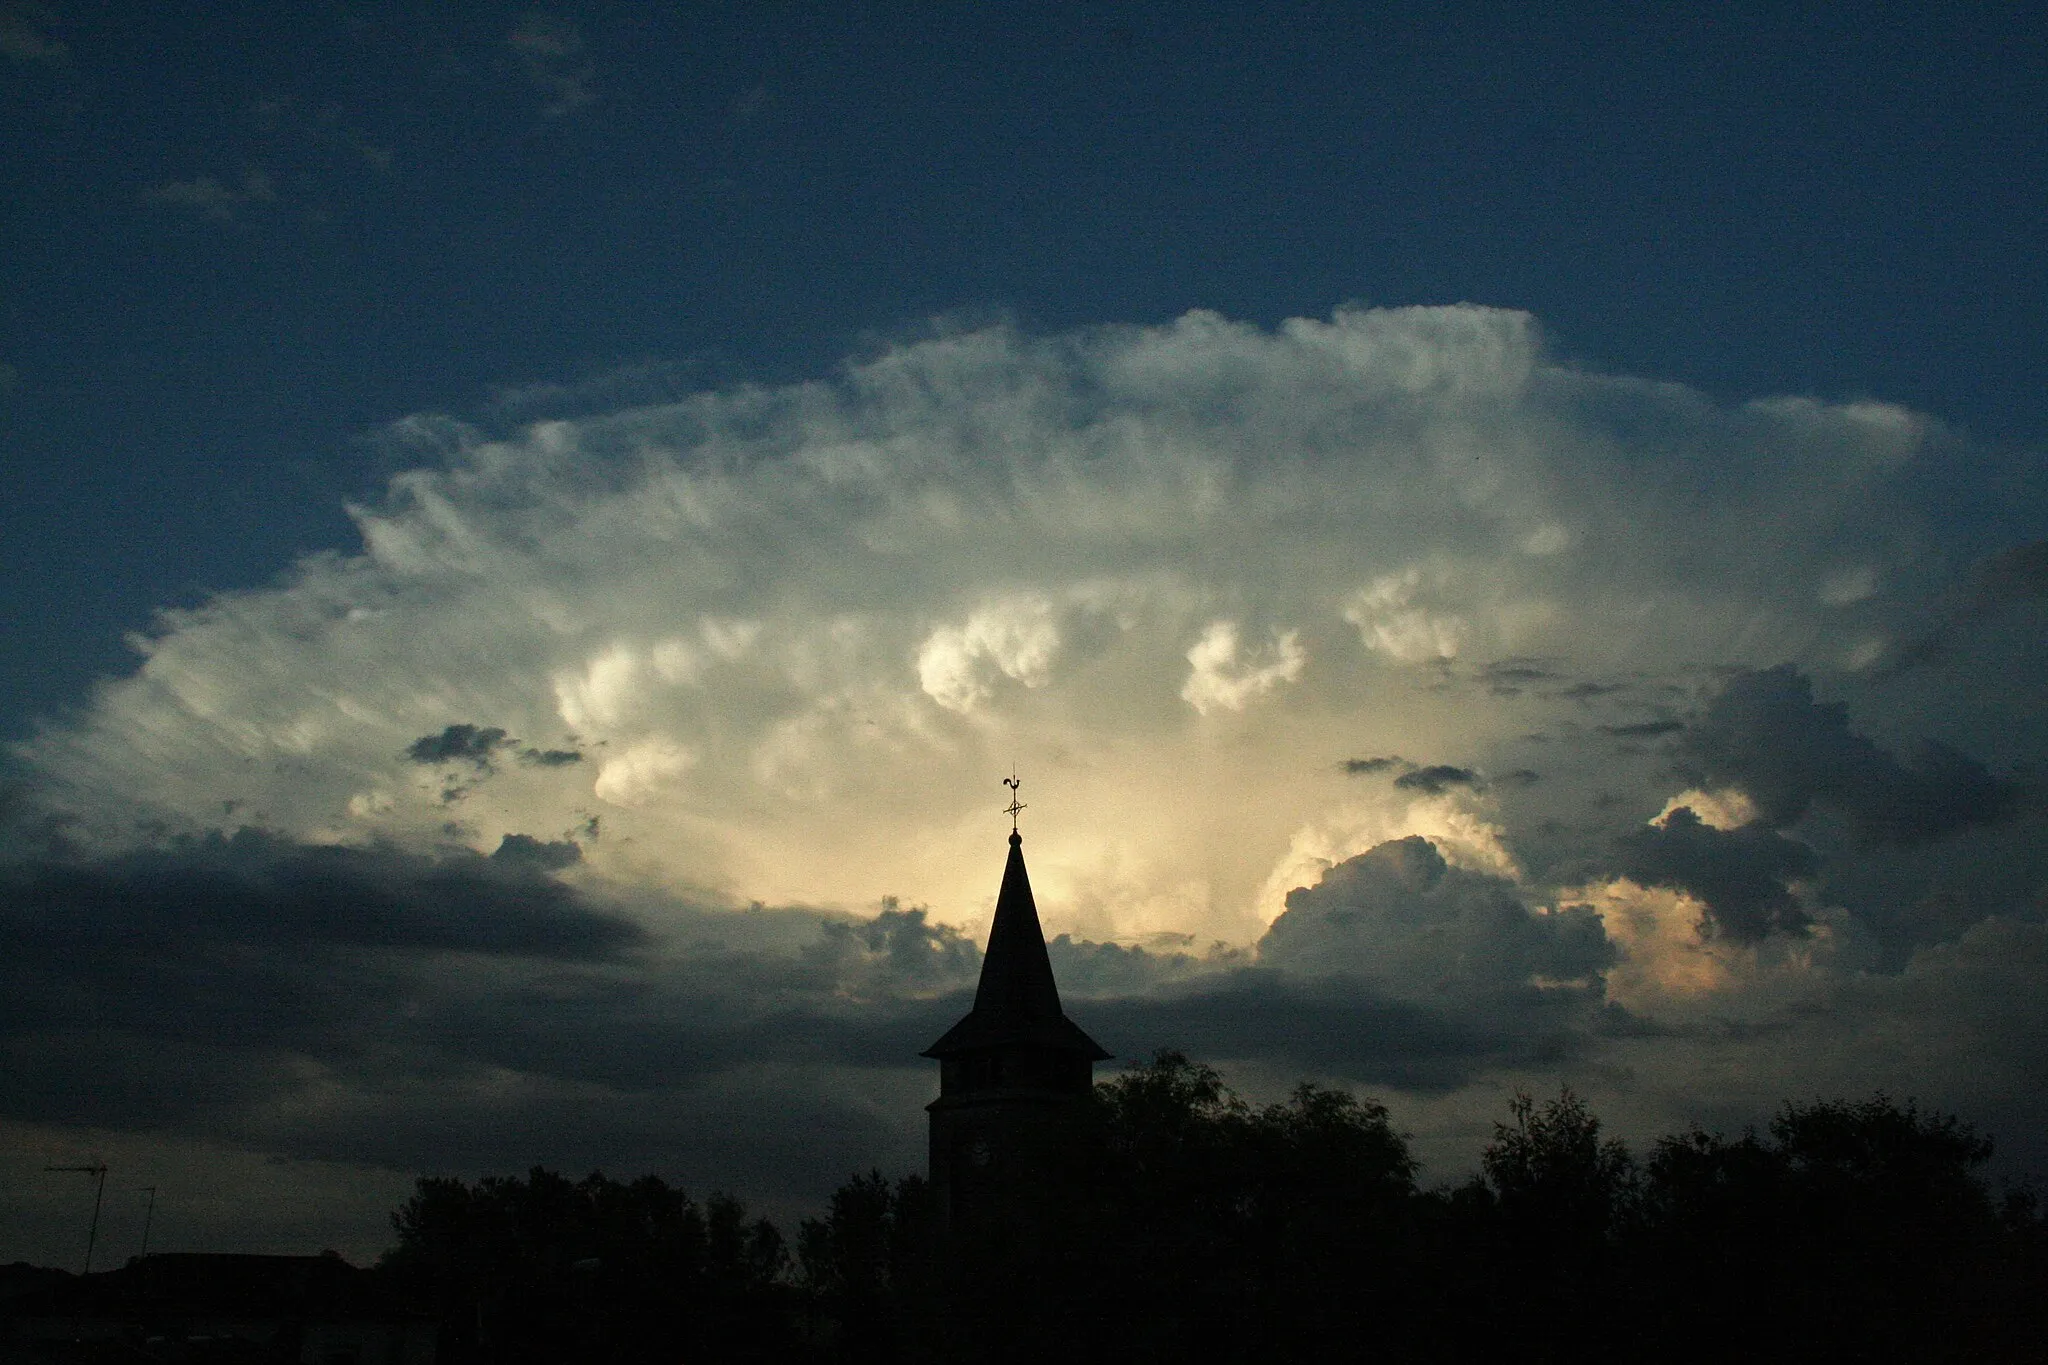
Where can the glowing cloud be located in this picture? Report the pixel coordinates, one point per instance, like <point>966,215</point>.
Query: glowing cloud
<point>1224,677</point>
<point>1176,573</point>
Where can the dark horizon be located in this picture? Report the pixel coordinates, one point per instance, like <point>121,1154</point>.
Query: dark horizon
<point>1173,1222</point>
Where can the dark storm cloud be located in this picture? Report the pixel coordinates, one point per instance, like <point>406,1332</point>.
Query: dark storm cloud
<point>462,743</point>
<point>1740,874</point>
<point>476,745</point>
<point>222,985</point>
<point>1508,677</point>
<point>897,952</point>
<point>2013,577</point>
<point>1926,651</point>
<point>254,888</point>
<point>377,1006</point>
<point>2019,574</point>
<point>1437,779</point>
<point>531,852</point>
<point>1401,917</point>
<point>1515,672</point>
<point>1766,734</point>
<point>674,1022</point>
<point>786,1140</point>
<point>1646,729</point>
<point>1334,1025</point>
<point>148,987</point>
<point>1084,968</point>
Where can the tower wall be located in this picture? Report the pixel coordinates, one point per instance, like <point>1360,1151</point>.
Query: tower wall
<point>1002,1158</point>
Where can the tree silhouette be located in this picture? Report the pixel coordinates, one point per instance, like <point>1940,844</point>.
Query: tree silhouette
<point>1551,1170</point>
<point>1539,1228</point>
<point>1190,1225</point>
<point>1186,1225</point>
<point>1854,1230</point>
<point>546,1269</point>
<point>867,1265</point>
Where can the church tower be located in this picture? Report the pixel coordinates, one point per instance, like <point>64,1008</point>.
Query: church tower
<point>1014,1075</point>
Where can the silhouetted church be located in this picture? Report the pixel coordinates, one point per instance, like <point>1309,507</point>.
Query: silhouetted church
<point>1014,1075</point>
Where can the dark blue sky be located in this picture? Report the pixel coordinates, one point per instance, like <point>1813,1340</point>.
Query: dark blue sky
<point>239,237</point>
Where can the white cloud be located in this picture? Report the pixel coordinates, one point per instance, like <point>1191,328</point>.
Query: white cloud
<point>1668,970</point>
<point>1844,587</point>
<point>642,772</point>
<point>605,689</point>
<point>213,198</point>
<point>796,632</point>
<point>1722,808</point>
<point>1388,621</point>
<point>1014,637</point>
<point>1223,676</point>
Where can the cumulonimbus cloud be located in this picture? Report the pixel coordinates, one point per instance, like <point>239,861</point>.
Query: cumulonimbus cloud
<point>777,644</point>
<point>779,638</point>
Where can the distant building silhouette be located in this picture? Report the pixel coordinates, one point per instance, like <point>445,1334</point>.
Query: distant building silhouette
<point>194,1306</point>
<point>1014,1075</point>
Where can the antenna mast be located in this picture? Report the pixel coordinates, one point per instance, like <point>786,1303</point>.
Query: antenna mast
<point>99,1174</point>
<point>148,1216</point>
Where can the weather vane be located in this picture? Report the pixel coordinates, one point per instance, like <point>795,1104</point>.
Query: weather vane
<point>1013,782</point>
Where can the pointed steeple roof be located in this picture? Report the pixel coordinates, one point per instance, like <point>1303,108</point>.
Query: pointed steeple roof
<point>1017,1001</point>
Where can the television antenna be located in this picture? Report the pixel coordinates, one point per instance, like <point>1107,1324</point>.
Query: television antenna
<point>148,1216</point>
<point>99,1191</point>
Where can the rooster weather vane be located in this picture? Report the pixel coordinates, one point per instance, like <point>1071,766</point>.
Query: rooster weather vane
<point>1013,783</point>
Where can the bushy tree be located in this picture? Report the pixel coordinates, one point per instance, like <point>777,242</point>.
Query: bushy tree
<point>1245,1231</point>
<point>545,1268</point>
<point>1537,1232</point>
<point>1194,1226</point>
<point>1856,1229</point>
<point>1551,1170</point>
<point>867,1265</point>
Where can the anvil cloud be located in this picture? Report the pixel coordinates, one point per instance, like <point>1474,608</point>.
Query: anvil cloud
<point>1395,701</point>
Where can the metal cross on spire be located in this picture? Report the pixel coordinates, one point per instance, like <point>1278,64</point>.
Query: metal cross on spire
<point>1013,782</point>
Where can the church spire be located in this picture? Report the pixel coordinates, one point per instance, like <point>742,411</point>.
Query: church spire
<point>1014,1075</point>
<point>1017,1000</point>
<point>1016,971</point>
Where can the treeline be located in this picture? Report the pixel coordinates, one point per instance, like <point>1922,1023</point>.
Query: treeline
<point>1195,1227</point>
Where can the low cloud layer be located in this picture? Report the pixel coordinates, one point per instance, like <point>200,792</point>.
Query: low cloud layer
<point>391,1011</point>
<point>1742,876</point>
<point>1767,735</point>
<point>473,843</point>
<point>1402,918</point>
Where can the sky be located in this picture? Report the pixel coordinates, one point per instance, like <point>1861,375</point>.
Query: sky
<point>1504,553</point>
